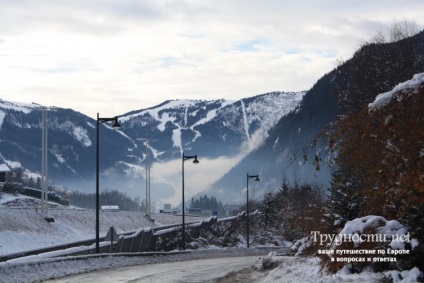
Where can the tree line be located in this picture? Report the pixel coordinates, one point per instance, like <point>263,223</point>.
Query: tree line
<point>207,203</point>
<point>16,178</point>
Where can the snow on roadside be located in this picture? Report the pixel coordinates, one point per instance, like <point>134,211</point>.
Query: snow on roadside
<point>23,228</point>
<point>291,268</point>
<point>307,269</point>
<point>41,270</point>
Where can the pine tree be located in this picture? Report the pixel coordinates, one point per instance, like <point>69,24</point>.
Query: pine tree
<point>345,201</point>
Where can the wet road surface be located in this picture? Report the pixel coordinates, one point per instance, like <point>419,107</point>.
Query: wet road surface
<point>229,269</point>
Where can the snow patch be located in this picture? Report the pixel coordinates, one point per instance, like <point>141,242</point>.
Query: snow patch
<point>405,276</point>
<point>18,106</point>
<point>382,227</point>
<point>246,125</point>
<point>81,135</point>
<point>2,115</point>
<point>176,137</point>
<point>165,118</point>
<point>384,98</point>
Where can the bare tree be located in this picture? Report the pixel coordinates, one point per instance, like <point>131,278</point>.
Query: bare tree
<point>378,37</point>
<point>402,30</point>
<point>395,32</point>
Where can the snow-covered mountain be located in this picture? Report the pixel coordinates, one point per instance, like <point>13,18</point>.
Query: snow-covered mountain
<point>210,129</point>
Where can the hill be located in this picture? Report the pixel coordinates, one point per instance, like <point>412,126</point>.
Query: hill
<point>293,145</point>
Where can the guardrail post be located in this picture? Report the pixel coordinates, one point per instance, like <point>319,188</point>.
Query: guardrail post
<point>146,237</point>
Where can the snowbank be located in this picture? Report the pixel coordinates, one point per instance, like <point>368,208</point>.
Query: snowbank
<point>406,276</point>
<point>391,231</point>
<point>384,98</point>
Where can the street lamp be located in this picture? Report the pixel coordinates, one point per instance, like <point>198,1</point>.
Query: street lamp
<point>247,202</point>
<point>115,125</point>
<point>195,161</point>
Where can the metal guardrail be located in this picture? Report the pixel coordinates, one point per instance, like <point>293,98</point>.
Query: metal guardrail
<point>45,250</point>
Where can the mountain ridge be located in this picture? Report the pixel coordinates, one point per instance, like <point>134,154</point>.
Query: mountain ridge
<point>211,128</point>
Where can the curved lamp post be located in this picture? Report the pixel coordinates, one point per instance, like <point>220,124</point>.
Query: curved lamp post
<point>247,203</point>
<point>195,161</point>
<point>115,125</point>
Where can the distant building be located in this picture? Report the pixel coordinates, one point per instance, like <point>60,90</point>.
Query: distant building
<point>232,210</point>
<point>202,212</point>
<point>110,208</point>
<point>4,169</point>
<point>166,208</point>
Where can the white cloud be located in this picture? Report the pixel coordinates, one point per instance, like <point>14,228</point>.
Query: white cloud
<point>198,177</point>
<point>116,56</point>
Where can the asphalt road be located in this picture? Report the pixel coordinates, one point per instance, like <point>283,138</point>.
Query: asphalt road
<point>229,269</point>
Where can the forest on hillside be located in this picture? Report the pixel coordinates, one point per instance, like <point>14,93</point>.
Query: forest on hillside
<point>376,156</point>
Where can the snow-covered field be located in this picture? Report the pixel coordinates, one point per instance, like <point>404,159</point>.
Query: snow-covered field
<point>23,228</point>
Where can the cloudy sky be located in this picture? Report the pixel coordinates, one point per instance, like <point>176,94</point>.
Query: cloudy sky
<point>114,56</point>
